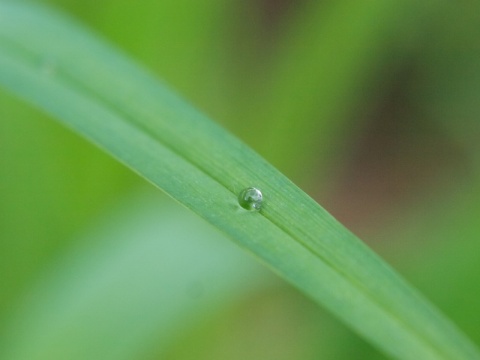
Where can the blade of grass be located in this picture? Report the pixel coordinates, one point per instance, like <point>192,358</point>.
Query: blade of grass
<point>104,96</point>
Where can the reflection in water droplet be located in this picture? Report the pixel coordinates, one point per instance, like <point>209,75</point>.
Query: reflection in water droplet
<point>250,198</point>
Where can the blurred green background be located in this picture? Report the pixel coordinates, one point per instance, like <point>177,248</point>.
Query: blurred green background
<point>372,107</point>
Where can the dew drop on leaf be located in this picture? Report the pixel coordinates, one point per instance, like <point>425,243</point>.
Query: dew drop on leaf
<point>250,198</point>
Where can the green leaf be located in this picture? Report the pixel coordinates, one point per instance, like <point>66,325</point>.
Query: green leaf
<point>97,91</point>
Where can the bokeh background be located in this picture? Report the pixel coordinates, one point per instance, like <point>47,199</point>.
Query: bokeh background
<point>372,107</point>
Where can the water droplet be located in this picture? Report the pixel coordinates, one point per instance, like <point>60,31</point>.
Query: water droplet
<point>250,198</point>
